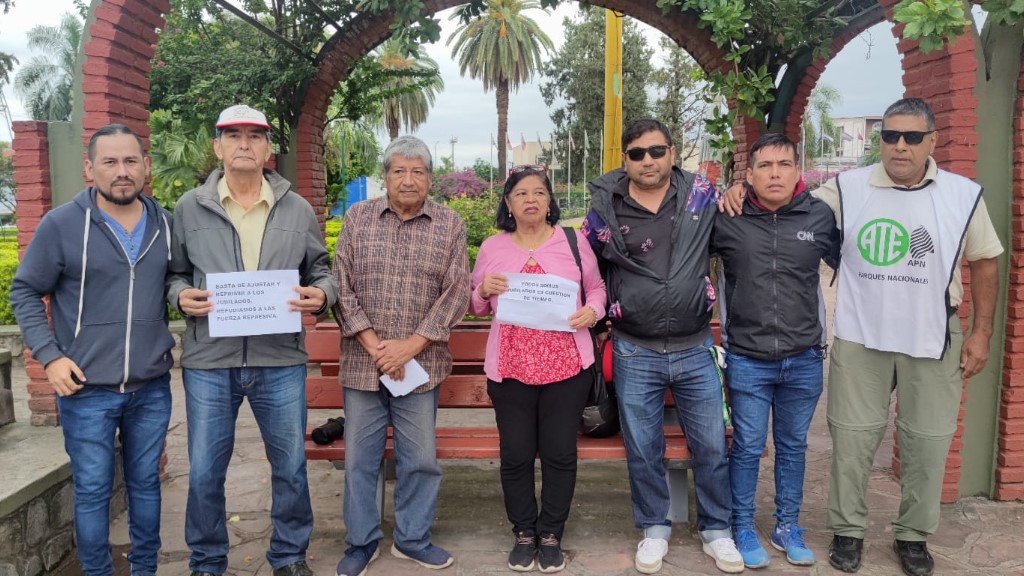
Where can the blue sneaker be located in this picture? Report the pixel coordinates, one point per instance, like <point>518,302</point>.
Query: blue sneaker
<point>432,557</point>
<point>789,538</point>
<point>754,555</point>
<point>357,558</point>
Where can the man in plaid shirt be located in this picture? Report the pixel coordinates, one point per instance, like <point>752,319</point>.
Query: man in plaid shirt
<point>404,283</point>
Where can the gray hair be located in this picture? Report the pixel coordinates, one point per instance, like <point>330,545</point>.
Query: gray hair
<point>408,147</point>
<point>911,107</point>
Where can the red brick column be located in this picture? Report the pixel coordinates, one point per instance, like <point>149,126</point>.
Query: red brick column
<point>34,198</point>
<point>115,76</point>
<point>1010,459</point>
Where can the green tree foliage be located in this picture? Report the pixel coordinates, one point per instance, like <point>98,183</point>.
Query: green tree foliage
<point>502,47</point>
<point>181,156</point>
<point>44,83</point>
<point>682,101</point>
<point>484,169</point>
<point>819,109</point>
<point>574,78</point>
<point>412,95</point>
<point>361,156</point>
<point>206,62</point>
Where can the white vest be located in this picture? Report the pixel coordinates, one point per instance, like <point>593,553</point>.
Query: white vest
<point>899,250</point>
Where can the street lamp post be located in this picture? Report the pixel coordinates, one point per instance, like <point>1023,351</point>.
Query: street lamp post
<point>453,141</point>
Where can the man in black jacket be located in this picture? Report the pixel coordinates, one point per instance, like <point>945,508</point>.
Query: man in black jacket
<point>773,318</point>
<point>650,225</point>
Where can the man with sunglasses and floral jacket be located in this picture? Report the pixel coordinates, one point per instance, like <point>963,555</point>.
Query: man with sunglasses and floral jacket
<point>650,226</point>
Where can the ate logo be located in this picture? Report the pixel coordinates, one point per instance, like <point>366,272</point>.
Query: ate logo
<point>883,242</point>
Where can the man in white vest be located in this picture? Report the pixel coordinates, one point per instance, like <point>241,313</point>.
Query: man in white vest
<point>906,226</point>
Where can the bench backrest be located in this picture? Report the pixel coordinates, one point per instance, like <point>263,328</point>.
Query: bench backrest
<point>465,388</point>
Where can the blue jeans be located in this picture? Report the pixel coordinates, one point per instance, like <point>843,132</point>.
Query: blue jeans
<point>90,419</point>
<point>413,417</point>
<point>641,378</point>
<point>789,389</point>
<point>277,396</point>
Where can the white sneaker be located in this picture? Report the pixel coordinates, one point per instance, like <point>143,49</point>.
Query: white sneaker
<point>727,557</point>
<point>649,553</point>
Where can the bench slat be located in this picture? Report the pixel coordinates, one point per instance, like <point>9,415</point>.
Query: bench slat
<point>478,442</point>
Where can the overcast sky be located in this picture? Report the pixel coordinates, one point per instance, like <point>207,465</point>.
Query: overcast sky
<point>866,72</point>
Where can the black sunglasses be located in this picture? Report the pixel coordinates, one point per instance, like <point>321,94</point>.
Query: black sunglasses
<point>637,154</point>
<point>912,137</point>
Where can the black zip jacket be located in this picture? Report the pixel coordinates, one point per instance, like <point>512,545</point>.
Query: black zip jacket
<point>662,314</point>
<point>771,307</point>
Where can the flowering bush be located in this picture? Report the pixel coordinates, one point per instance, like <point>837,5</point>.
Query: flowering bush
<point>464,184</point>
<point>815,178</point>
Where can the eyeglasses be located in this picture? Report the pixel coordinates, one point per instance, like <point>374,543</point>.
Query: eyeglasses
<point>528,168</point>
<point>637,154</point>
<point>912,137</point>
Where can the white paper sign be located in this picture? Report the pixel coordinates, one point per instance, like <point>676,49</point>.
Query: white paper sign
<point>415,376</point>
<point>540,301</point>
<point>253,303</point>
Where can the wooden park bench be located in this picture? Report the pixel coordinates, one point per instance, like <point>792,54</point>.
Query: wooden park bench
<point>467,388</point>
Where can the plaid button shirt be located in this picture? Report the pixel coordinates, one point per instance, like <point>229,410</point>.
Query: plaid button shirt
<point>400,278</point>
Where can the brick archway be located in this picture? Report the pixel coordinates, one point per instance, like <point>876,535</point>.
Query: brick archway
<point>115,87</point>
<point>365,33</point>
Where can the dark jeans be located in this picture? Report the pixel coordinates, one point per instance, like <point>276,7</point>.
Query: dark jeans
<point>531,419</point>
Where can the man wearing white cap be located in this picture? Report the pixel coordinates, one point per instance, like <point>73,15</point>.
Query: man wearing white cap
<point>245,218</point>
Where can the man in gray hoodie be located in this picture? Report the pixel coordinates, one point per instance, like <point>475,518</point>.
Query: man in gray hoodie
<point>245,218</point>
<point>101,259</point>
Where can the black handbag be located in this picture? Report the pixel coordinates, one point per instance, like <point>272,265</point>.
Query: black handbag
<point>600,417</point>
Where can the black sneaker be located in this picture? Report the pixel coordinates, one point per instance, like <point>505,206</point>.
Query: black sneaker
<point>914,557</point>
<point>844,553</point>
<point>299,568</point>
<point>551,557</point>
<point>521,558</point>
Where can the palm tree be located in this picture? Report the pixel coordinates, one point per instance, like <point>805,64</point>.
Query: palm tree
<point>415,92</point>
<point>44,83</point>
<point>823,98</point>
<point>503,48</point>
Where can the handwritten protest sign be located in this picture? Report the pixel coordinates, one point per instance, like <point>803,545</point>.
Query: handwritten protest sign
<point>540,301</point>
<point>253,303</point>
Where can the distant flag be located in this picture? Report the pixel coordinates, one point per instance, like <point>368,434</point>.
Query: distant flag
<point>522,140</point>
<point>844,137</point>
<point>508,142</point>
<point>860,137</point>
<point>827,138</point>
<point>539,141</point>
<point>572,145</point>
<point>492,141</point>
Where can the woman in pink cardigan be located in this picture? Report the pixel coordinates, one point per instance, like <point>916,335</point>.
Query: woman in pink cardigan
<point>537,379</point>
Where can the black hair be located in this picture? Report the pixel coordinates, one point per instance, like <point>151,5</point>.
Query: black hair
<point>112,130</point>
<point>638,128</point>
<point>504,220</point>
<point>772,140</point>
<point>911,107</point>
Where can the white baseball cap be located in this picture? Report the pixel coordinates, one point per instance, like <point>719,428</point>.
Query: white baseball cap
<point>241,115</point>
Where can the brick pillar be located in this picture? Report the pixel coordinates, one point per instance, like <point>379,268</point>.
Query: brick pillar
<point>1010,458</point>
<point>32,176</point>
